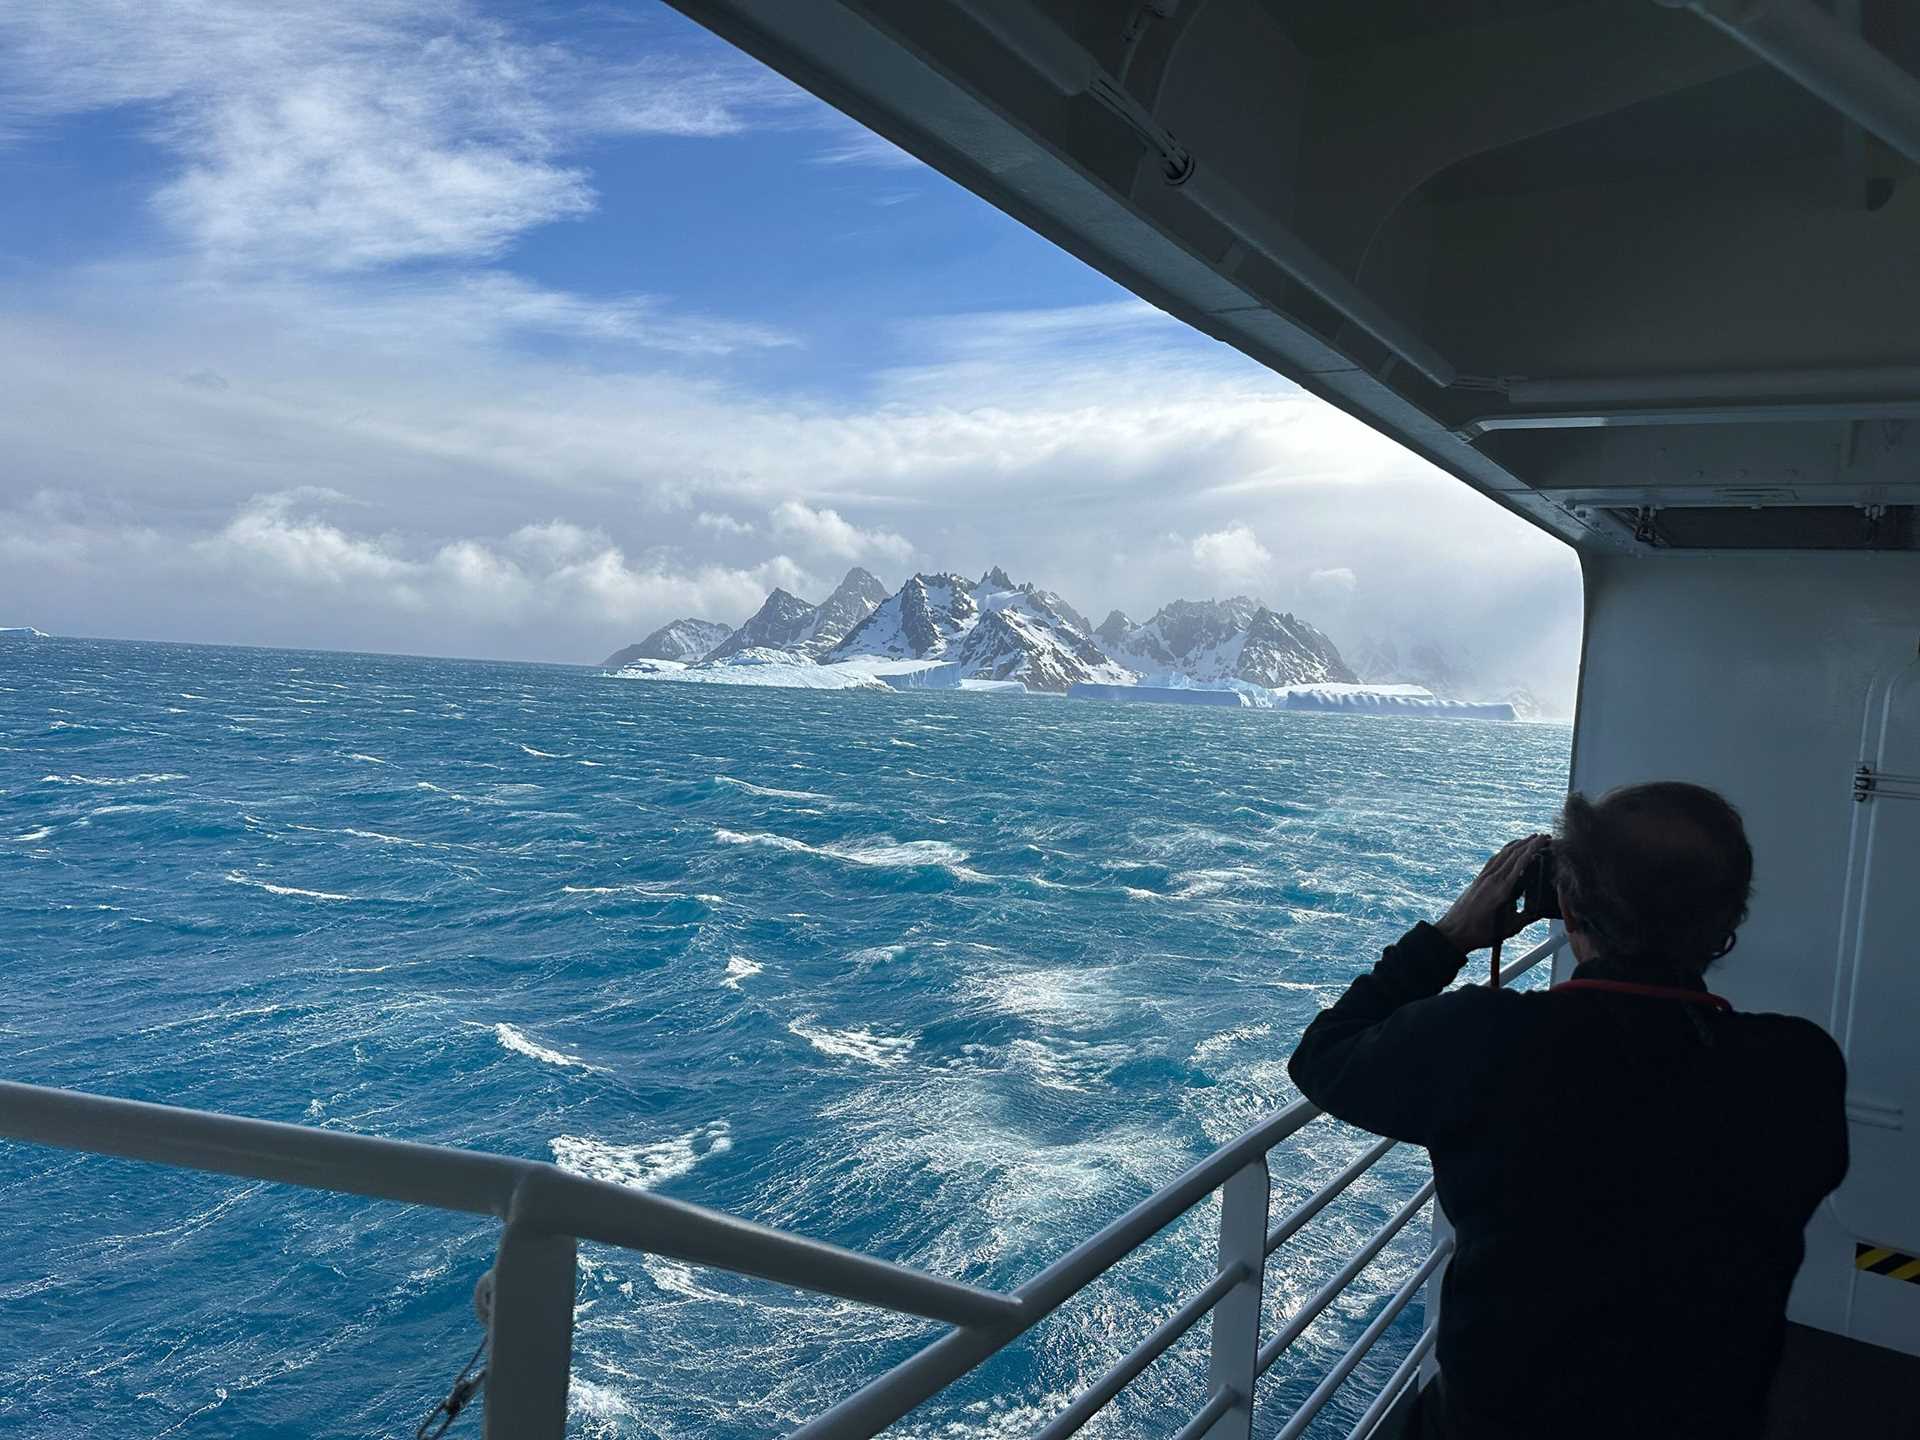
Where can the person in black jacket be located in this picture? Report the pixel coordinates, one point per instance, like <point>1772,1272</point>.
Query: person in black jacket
<point>1628,1163</point>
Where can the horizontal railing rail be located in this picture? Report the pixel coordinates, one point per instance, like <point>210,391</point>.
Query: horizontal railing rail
<point>527,1191</point>
<point>546,1209</point>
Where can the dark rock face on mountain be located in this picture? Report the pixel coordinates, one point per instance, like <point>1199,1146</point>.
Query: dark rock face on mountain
<point>1234,639</point>
<point>1188,634</point>
<point>918,622</point>
<point>682,640</point>
<point>780,624</point>
<point>1034,645</point>
<point>993,630</point>
<point>1113,630</point>
<point>1281,650</point>
<point>852,601</point>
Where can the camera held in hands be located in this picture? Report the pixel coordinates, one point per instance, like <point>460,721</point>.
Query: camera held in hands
<point>1537,896</point>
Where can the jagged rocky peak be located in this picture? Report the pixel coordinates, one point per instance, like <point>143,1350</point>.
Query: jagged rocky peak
<point>1187,632</point>
<point>1113,630</point>
<point>855,598</point>
<point>1054,601</point>
<point>685,641</point>
<point>997,590</point>
<point>1282,650</point>
<point>916,622</point>
<point>1233,639</point>
<point>1031,643</point>
<point>782,623</point>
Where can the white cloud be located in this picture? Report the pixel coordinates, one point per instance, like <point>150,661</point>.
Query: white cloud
<point>723,524</point>
<point>854,144</point>
<point>1336,581</point>
<point>824,532</point>
<point>1234,553</point>
<point>340,135</point>
<point>277,551</point>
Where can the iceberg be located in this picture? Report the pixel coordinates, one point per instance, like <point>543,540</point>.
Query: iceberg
<point>943,675</point>
<point>1334,697</point>
<point>1388,700</point>
<point>781,669</point>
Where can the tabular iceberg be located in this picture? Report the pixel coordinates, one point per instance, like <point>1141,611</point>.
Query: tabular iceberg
<point>783,669</point>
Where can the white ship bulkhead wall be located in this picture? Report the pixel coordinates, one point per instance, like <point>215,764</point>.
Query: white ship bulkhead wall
<point>1751,673</point>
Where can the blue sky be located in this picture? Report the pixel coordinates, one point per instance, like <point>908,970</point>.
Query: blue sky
<point>519,329</point>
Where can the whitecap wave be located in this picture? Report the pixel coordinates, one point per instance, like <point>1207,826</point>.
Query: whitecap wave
<point>455,794</point>
<point>368,759</point>
<point>1198,884</point>
<point>652,892</point>
<point>543,754</point>
<point>1219,1044</point>
<point>144,778</point>
<point>865,1046</point>
<point>517,1040</point>
<point>739,970</point>
<point>645,1165</point>
<point>768,791</point>
<point>1063,998</point>
<point>386,839</point>
<point>235,877</point>
<point>882,851</point>
<point>33,835</point>
<point>601,1409</point>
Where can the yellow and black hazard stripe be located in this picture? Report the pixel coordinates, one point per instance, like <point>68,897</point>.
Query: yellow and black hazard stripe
<point>1879,1260</point>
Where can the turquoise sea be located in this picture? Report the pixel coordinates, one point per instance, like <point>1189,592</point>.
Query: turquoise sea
<point>952,978</point>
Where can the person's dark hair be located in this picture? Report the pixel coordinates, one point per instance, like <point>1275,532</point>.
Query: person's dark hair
<point>1657,874</point>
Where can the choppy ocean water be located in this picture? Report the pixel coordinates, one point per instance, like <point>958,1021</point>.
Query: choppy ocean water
<point>950,978</point>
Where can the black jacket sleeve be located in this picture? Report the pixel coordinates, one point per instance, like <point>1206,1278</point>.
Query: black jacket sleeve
<point>1394,1055</point>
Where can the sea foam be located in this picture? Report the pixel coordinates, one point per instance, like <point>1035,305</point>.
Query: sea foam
<point>768,791</point>
<point>885,1051</point>
<point>882,851</point>
<point>644,1165</point>
<point>235,877</point>
<point>516,1039</point>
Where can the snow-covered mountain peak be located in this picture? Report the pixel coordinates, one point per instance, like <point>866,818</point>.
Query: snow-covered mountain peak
<point>1233,639</point>
<point>684,641</point>
<point>851,602</point>
<point>917,622</point>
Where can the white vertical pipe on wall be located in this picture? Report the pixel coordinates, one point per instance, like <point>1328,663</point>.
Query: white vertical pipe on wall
<point>1236,1319</point>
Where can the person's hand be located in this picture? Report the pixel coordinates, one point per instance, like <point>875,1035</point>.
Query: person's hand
<point>1484,912</point>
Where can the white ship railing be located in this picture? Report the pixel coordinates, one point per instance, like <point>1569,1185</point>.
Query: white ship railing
<point>546,1210</point>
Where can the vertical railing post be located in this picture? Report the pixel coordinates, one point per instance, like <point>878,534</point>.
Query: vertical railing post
<point>1236,1319</point>
<point>530,1355</point>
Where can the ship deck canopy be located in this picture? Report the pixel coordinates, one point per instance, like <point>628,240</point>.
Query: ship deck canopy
<point>1645,273</point>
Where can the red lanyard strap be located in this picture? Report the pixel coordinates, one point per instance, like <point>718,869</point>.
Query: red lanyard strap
<point>1655,992</point>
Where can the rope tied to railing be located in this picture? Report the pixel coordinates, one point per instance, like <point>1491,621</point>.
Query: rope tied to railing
<point>465,1386</point>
